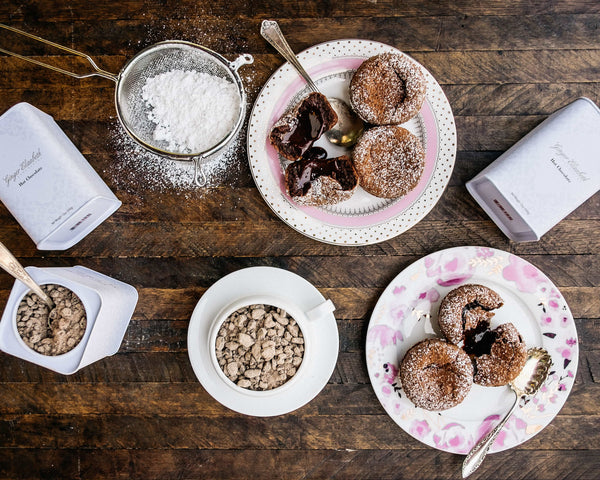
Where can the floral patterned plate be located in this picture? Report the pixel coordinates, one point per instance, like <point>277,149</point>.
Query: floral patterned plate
<point>363,219</point>
<point>407,311</point>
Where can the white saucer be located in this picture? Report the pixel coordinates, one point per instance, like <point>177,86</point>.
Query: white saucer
<point>263,281</point>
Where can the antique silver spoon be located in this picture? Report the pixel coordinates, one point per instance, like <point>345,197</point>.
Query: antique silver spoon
<point>527,383</point>
<point>349,126</point>
<point>9,263</point>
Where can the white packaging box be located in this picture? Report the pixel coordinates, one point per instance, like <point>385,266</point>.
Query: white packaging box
<point>46,183</point>
<point>109,305</point>
<point>545,175</point>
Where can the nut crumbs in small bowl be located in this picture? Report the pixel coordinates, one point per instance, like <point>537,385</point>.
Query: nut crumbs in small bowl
<point>258,345</point>
<point>51,332</point>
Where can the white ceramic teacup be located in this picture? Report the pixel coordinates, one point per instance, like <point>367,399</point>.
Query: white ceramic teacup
<point>305,320</point>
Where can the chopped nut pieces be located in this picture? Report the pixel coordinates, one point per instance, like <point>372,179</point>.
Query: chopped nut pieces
<point>56,332</point>
<point>259,347</point>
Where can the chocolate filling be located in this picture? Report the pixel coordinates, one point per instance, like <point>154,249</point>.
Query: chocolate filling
<point>472,306</point>
<point>314,116</point>
<point>401,92</point>
<point>313,165</point>
<point>479,341</point>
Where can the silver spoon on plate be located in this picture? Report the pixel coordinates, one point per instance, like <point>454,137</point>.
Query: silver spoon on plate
<point>346,131</point>
<point>527,383</point>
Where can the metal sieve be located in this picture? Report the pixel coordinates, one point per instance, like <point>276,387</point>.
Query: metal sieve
<point>161,57</point>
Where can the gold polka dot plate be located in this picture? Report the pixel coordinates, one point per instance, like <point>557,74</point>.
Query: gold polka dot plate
<point>363,219</point>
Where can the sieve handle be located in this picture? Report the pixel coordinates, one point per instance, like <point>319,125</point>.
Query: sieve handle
<point>97,71</point>
<point>245,59</point>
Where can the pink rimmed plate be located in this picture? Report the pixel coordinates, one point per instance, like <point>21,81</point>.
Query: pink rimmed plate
<point>407,309</point>
<point>363,219</point>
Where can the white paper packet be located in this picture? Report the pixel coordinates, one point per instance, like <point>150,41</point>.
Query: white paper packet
<point>46,183</point>
<point>545,175</point>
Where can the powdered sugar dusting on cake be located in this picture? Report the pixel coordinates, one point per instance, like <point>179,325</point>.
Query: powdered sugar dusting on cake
<point>388,89</point>
<point>324,191</point>
<point>450,314</point>
<point>506,359</point>
<point>389,160</point>
<point>436,375</point>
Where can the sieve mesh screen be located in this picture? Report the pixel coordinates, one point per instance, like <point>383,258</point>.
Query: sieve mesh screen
<point>159,58</point>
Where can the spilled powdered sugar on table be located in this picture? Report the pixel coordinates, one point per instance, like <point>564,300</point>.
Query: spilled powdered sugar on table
<point>134,165</point>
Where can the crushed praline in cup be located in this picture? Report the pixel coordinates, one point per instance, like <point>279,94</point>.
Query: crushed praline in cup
<point>51,332</point>
<point>259,347</point>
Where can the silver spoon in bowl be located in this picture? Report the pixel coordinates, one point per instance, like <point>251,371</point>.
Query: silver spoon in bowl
<point>11,265</point>
<point>527,383</point>
<point>349,126</point>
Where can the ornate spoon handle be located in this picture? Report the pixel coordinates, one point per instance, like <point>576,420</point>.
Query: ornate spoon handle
<point>271,32</point>
<point>479,451</point>
<point>9,263</point>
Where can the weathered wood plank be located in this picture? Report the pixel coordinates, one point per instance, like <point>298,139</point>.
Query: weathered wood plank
<point>507,99</point>
<point>541,66</point>
<point>161,12</point>
<point>133,367</point>
<point>464,67</point>
<point>284,464</point>
<point>175,367</point>
<point>246,239</point>
<point>183,280</point>
<point>184,399</point>
<point>411,33</point>
<point>244,432</point>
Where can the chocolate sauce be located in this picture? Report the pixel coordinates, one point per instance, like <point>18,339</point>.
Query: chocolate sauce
<point>478,341</point>
<point>308,128</point>
<point>473,306</point>
<point>315,153</point>
<point>313,117</point>
<point>315,164</point>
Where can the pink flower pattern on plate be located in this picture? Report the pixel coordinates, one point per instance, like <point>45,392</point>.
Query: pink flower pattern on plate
<point>416,290</point>
<point>452,437</point>
<point>386,335</point>
<point>419,429</point>
<point>526,276</point>
<point>450,270</point>
<point>510,430</point>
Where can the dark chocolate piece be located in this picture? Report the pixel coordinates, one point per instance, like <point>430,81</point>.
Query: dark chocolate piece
<point>298,130</point>
<point>313,165</point>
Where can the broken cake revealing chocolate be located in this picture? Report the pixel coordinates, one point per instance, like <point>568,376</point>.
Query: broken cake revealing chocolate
<point>316,180</point>
<point>297,131</point>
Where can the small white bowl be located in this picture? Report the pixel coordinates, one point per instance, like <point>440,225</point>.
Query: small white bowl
<point>77,350</point>
<point>108,305</point>
<point>11,341</point>
<point>302,319</point>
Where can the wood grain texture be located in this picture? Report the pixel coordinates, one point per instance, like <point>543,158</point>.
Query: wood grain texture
<point>287,464</point>
<point>141,413</point>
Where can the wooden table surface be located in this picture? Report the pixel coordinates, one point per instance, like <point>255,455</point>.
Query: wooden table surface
<point>504,66</point>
